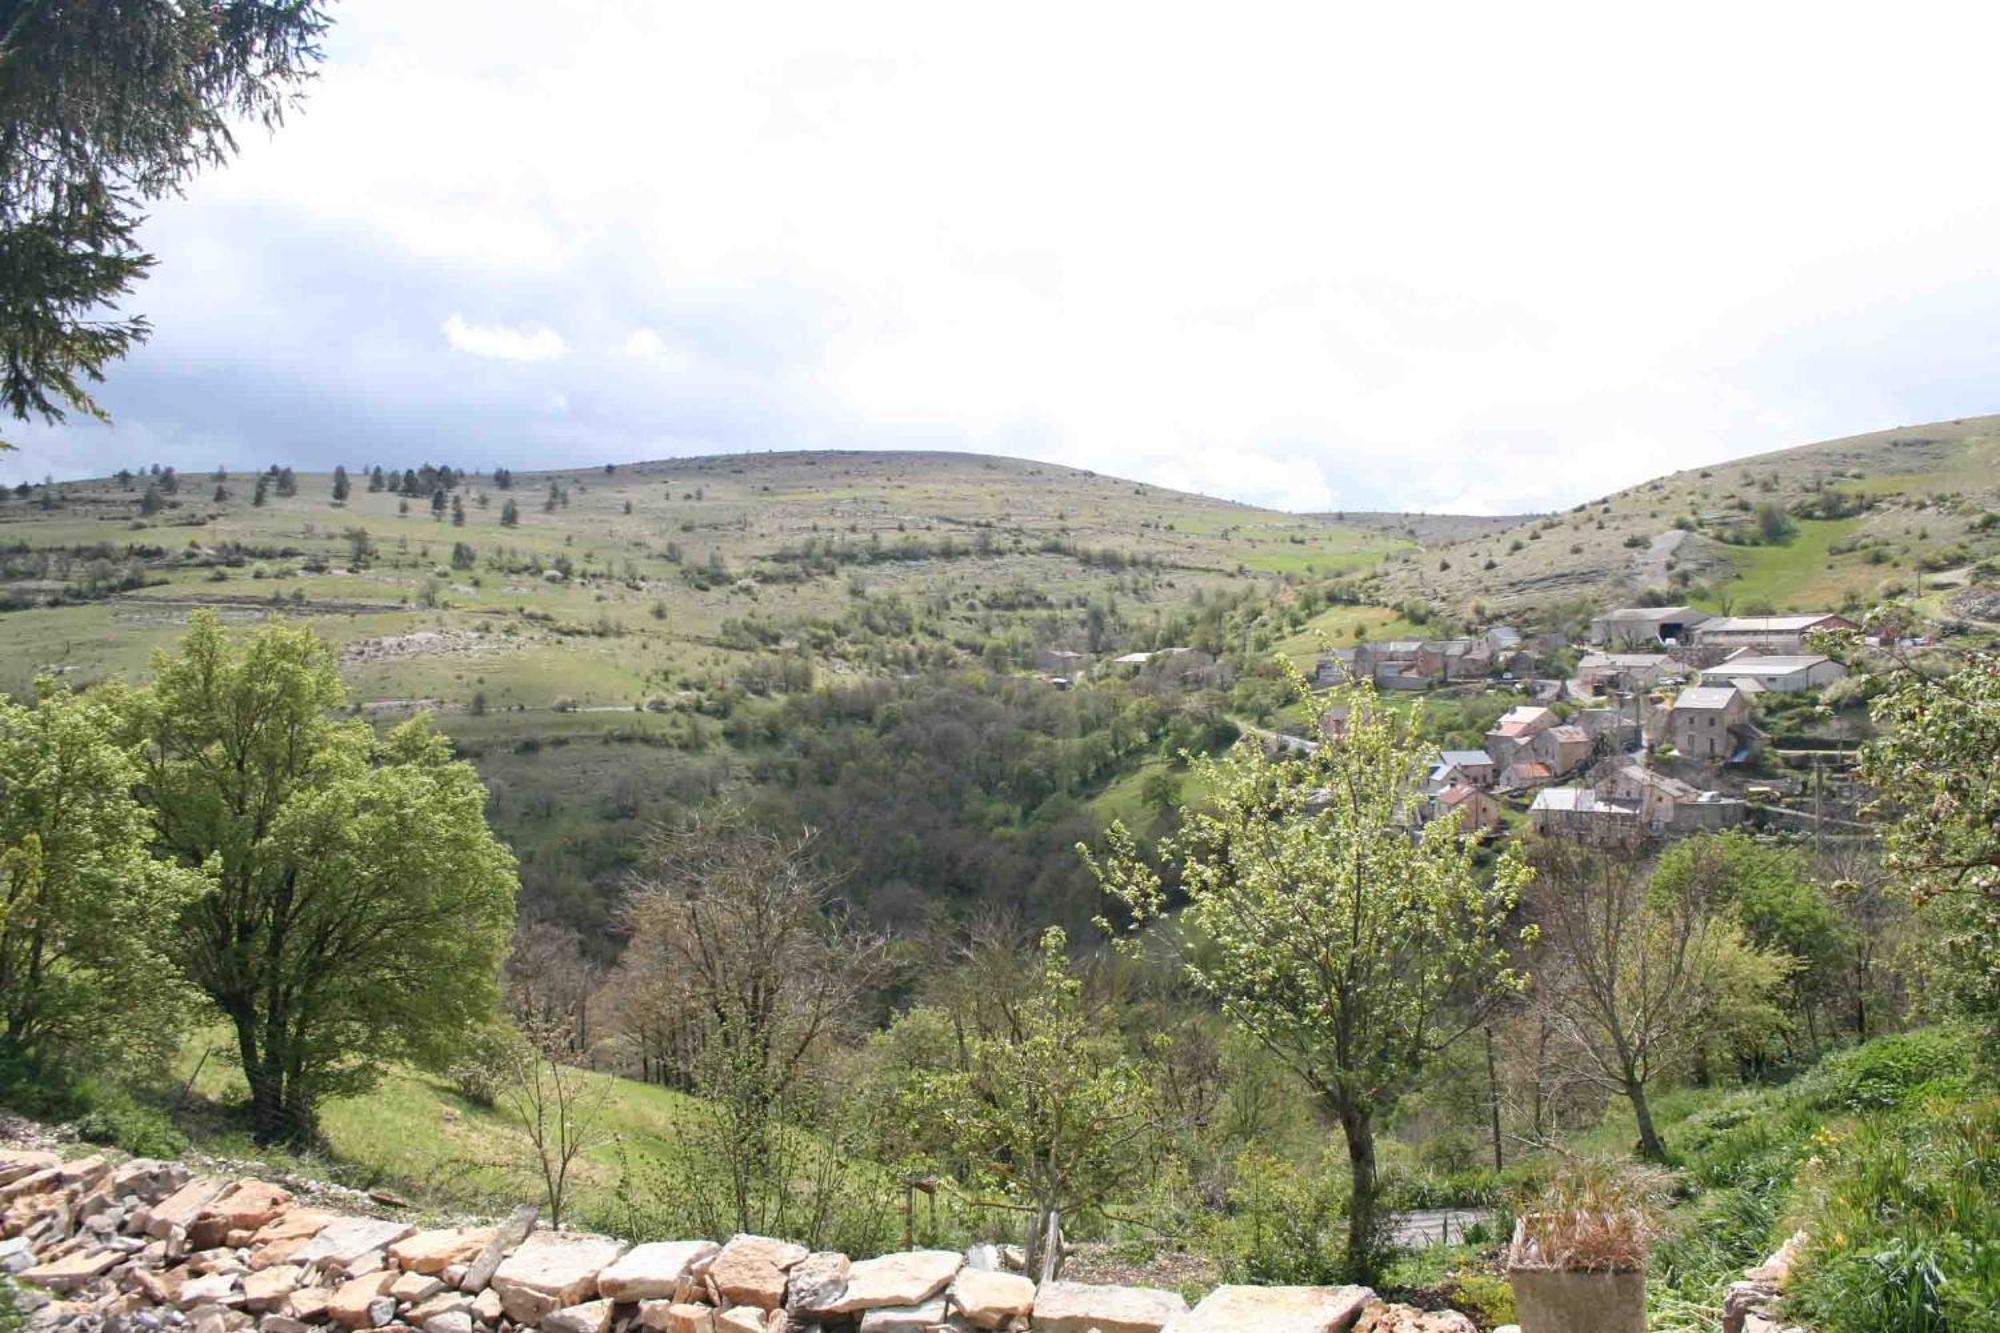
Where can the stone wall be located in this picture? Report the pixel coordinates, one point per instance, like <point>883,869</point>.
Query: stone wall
<point>137,1245</point>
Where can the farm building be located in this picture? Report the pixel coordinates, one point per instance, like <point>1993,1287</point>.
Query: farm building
<point>1779,675</point>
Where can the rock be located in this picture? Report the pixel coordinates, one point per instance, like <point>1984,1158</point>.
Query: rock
<point>742,1319</point>
<point>1379,1316</point>
<point>676,1317</point>
<point>589,1317</point>
<point>346,1241</point>
<point>509,1234</point>
<point>251,1205</point>
<point>907,1318</point>
<point>413,1288</point>
<point>180,1208</point>
<point>18,1163</point>
<point>983,1256</point>
<point>1743,1299</point>
<point>82,1171</point>
<point>750,1270</point>
<point>308,1304</point>
<point>654,1270</point>
<point>815,1283</point>
<point>432,1252</point>
<point>282,1323</point>
<point>266,1288</point>
<point>1777,1269</point>
<point>451,1321</point>
<point>1279,1309</point>
<point>209,1289</point>
<point>1079,1307</point>
<point>72,1270</point>
<point>442,1303</point>
<point>551,1270</point>
<point>487,1307</point>
<point>988,1299</point>
<point>901,1280</point>
<point>363,1302</point>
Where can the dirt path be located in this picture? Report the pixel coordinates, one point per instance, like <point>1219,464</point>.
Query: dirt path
<point>1652,564</point>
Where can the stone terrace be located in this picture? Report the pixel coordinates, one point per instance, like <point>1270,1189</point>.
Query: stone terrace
<point>144,1245</point>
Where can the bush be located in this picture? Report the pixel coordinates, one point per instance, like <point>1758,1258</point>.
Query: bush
<point>123,1122</point>
<point>1288,1224</point>
<point>1890,1072</point>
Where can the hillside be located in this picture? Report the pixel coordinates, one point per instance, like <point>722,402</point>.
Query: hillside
<point>1888,509</point>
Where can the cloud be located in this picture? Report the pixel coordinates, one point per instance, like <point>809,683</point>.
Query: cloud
<point>1382,257</point>
<point>503,342</point>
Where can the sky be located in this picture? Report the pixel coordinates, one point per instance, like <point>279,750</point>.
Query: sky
<point>1472,257</point>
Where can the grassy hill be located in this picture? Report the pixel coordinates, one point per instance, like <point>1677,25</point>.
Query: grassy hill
<point>1870,513</point>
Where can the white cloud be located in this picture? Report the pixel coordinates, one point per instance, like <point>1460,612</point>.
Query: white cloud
<point>1516,257</point>
<point>504,342</point>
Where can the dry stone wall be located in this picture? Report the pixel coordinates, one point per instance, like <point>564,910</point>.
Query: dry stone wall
<point>149,1247</point>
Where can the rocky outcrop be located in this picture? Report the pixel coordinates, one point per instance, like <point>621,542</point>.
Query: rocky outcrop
<point>148,1247</point>
<point>1751,1305</point>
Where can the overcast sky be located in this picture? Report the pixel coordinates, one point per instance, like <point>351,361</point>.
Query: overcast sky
<point>1482,257</point>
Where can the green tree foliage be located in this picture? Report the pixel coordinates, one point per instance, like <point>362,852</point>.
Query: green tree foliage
<point>109,105</point>
<point>1043,1103</point>
<point>85,913</point>
<point>359,905</point>
<point>1352,949</point>
<point>1935,770</point>
<point>342,488</point>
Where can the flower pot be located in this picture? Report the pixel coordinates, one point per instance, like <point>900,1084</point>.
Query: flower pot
<point>1554,1300</point>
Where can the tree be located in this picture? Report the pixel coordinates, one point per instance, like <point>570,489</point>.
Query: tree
<point>1350,948</point>
<point>108,106</point>
<point>1934,769</point>
<point>84,910</point>
<point>735,928</point>
<point>358,906</point>
<point>341,488</point>
<point>375,482</point>
<point>1046,1102</point>
<point>288,483</point>
<point>510,515</point>
<point>560,1107</point>
<point>1636,977</point>
<point>458,511</point>
<point>150,503</point>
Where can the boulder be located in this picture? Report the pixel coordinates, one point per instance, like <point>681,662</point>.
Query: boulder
<point>19,1163</point>
<point>1079,1307</point>
<point>742,1319</point>
<point>363,1302</point>
<point>1777,1269</point>
<point>988,1298</point>
<point>208,1289</point>
<point>815,1283</point>
<point>443,1302</point>
<point>431,1252</point>
<point>282,1323</point>
<point>589,1317</point>
<point>451,1321</point>
<point>750,1270</point>
<point>308,1304</point>
<point>1276,1309</point>
<point>901,1280</point>
<point>486,1307</point>
<point>267,1288</point>
<point>551,1270</point>
<point>654,1270</point>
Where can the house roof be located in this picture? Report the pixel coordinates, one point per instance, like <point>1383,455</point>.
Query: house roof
<point>1577,800</point>
<point>1465,758</point>
<point>1769,624</point>
<point>1410,646</point>
<point>1654,615</point>
<point>1457,794</point>
<point>1569,732</point>
<point>1706,697</point>
<point>1621,661</point>
<point>1670,785</point>
<point>1746,664</point>
<point>1523,715</point>
<point>1528,770</point>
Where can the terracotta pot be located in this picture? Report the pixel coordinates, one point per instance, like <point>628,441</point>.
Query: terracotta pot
<point>1551,1300</point>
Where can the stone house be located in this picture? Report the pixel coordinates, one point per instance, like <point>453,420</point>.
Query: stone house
<point>1580,813</point>
<point>1711,723</point>
<point>1472,766</point>
<point>1597,672</point>
<point>1475,810</point>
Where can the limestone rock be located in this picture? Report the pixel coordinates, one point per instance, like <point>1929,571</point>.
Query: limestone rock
<point>487,1307</point>
<point>1777,1269</point>
<point>282,1323</point>
<point>1278,1309</point>
<point>267,1288</point>
<point>988,1298</point>
<point>431,1252</point>
<point>249,1206</point>
<point>551,1270</point>
<point>346,1241</point>
<point>906,1318</point>
<point>651,1271</point>
<point>750,1270</point>
<point>907,1279</point>
<point>451,1321</point>
<point>1079,1307</point>
<point>308,1304</point>
<point>73,1270</point>
<point>676,1317</point>
<point>589,1317</point>
<point>363,1302</point>
<point>412,1288</point>
<point>208,1289</point>
<point>180,1208</point>
<point>815,1283</point>
<point>18,1163</point>
<point>509,1234</point>
<point>1379,1316</point>
<point>742,1319</point>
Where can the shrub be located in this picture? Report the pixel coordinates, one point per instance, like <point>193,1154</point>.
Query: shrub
<point>1890,1072</point>
<point>121,1122</point>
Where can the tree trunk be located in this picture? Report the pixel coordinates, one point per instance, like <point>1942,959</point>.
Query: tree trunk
<point>1650,1146</point>
<point>1362,1222</point>
<point>1493,1101</point>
